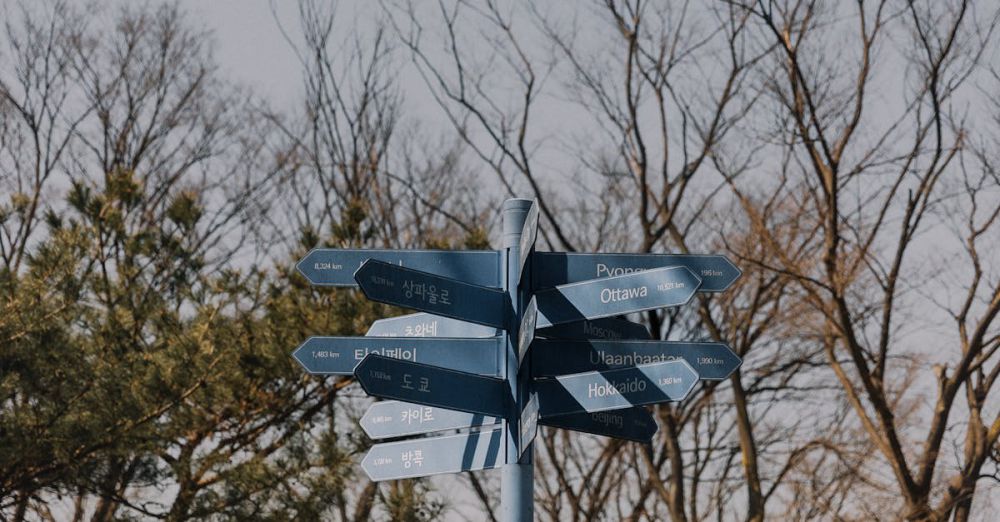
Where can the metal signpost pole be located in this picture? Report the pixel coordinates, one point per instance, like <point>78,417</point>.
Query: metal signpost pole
<point>517,481</point>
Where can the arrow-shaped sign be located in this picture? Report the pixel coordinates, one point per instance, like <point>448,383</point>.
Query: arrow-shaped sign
<point>559,268</point>
<point>604,328</point>
<point>406,381</point>
<point>526,334</point>
<point>712,361</point>
<point>395,285</point>
<point>635,424</point>
<point>340,355</point>
<point>427,325</point>
<point>336,267</point>
<point>615,389</point>
<point>648,290</point>
<point>385,419</point>
<point>430,456</point>
<point>528,234</point>
<point>528,424</point>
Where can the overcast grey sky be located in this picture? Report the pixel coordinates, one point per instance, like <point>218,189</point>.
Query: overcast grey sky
<point>250,45</point>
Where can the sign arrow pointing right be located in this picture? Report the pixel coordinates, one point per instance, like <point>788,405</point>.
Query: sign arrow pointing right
<point>635,424</point>
<point>625,294</point>
<point>712,361</point>
<point>615,389</point>
<point>551,269</point>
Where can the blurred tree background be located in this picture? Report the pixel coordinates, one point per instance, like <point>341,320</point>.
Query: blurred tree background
<point>844,155</point>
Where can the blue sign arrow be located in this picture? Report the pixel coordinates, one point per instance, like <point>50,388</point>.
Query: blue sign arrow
<point>558,268</point>
<point>430,456</point>
<point>385,419</point>
<point>528,425</point>
<point>526,333</point>
<point>636,292</point>
<point>529,233</point>
<point>336,267</point>
<point>340,355</point>
<point>395,285</point>
<point>427,325</point>
<point>406,381</point>
<point>635,424</point>
<point>615,389</point>
<point>604,328</point>
<point>711,361</point>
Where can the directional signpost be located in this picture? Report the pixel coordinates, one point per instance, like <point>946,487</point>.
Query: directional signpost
<point>529,231</point>
<point>526,333</point>
<point>507,340</point>
<point>529,424</point>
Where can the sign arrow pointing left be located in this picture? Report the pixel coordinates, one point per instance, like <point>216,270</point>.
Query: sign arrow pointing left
<point>430,456</point>
<point>712,361</point>
<point>385,419</point>
<point>336,266</point>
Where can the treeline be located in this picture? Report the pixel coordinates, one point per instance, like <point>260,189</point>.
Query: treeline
<point>152,210</point>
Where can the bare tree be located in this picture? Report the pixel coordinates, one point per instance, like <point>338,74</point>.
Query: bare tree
<point>873,180</point>
<point>663,119</point>
<point>41,111</point>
